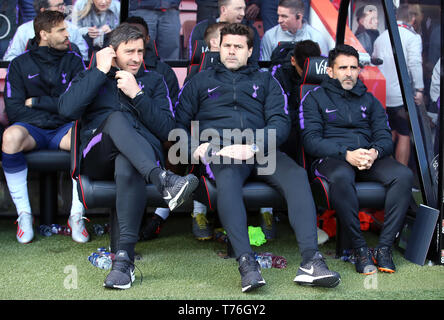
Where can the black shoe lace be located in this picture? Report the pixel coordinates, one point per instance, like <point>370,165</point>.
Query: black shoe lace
<point>123,265</point>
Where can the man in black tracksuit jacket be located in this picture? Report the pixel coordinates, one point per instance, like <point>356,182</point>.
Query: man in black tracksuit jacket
<point>125,115</point>
<point>345,128</point>
<point>234,95</point>
<point>34,82</point>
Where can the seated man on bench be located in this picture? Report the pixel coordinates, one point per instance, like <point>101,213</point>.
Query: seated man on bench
<point>345,128</point>
<point>34,82</point>
<point>125,114</point>
<point>235,96</point>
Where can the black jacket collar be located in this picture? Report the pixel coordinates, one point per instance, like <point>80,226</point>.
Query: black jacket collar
<point>335,86</point>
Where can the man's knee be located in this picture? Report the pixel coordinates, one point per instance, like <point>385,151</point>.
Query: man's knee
<point>340,176</point>
<point>65,143</point>
<point>403,176</point>
<point>14,138</point>
<point>113,120</point>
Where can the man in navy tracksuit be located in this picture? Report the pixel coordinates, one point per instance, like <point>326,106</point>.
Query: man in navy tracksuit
<point>236,95</point>
<point>125,114</point>
<point>345,128</point>
<point>34,83</point>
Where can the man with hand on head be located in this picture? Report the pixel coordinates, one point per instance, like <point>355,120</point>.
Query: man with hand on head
<point>125,114</point>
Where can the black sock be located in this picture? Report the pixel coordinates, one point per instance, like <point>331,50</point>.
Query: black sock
<point>307,255</point>
<point>154,176</point>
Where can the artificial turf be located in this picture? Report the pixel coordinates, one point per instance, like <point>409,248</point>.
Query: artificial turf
<point>176,266</point>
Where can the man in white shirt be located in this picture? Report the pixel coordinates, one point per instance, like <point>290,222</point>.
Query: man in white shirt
<point>26,31</point>
<point>412,48</point>
<point>291,27</point>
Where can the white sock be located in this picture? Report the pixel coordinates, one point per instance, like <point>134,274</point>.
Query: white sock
<point>18,189</point>
<point>162,212</point>
<point>263,210</point>
<point>76,205</point>
<point>199,207</point>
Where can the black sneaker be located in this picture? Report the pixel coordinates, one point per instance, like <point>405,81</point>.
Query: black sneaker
<point>363,261</point>
<point>250,272</point>
<point>382,257</point>
<point>176,189</point>
<point>152,228</point>
<point>122,272</point>
<point>316,273</point>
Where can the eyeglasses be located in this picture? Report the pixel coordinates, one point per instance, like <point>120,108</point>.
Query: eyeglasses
<point>60,5</point>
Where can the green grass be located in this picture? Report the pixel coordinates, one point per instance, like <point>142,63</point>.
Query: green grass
<point>176,266</point>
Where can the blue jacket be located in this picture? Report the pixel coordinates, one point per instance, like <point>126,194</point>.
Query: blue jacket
<point>41,73</point>
<point>244,99</point>
<point>154,4</point>
<point>334,120</point>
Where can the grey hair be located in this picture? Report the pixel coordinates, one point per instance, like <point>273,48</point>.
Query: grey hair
<point>124,33</point>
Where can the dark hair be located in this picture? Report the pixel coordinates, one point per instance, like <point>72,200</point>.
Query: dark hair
<point>295,5</point>
<point>210,32</point>
<point>138,20</point>
<point>406,12</point>
<point>40,4</point>
<point>304,49</point>
<point>124,33</point>
<point>238,29</point>
<point>344,49</point>
<point>46,20</point>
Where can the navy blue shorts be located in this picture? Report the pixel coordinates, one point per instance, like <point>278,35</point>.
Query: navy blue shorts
<point>398,119</point>
<point>46,138</point>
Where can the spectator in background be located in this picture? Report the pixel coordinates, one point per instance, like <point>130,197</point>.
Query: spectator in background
<point>153,62</point>
<point>367,31</point>
<point>8,23</point>
<point>26,10</point>
<point>26,31</point>
<point>435,99</point>
<point>34,83</point>
<point>95,20</point>
<point>163,21</point>
<point>266,9</point>
<point>412,48</point>
<point>206,9</point>
<point>230,11</point>
<point>291,27</point>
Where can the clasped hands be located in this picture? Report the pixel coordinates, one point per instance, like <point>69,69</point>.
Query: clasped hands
<point>361,158</point>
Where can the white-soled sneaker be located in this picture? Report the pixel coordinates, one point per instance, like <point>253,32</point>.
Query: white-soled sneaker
<point>25,231</point>
<point>77,225</point>
<point>316,273</point>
